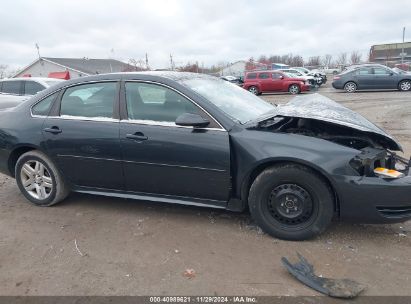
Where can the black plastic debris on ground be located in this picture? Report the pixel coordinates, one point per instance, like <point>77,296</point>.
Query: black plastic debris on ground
<point>339,288</point>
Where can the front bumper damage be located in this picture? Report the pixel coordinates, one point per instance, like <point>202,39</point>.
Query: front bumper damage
<point>372,199</point>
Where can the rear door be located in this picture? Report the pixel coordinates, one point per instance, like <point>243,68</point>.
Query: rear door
<point>82,135</point>
<point>384,79</point>
<point>265,81</point>
<point>162,158</point>
<point>364,77</point>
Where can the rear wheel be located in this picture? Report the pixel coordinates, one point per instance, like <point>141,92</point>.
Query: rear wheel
<point>350,87</point>
<point>405,85</point>
<point>254,90</point>
<point>294,89</point>
<point>39,180</point>
<point>291,202</point>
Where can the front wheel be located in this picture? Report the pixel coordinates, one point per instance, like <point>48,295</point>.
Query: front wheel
<point>39,180</point>
<point>294,89</point>
<point>405,85</point>
<point>291,202</point>
<point>350,87</point>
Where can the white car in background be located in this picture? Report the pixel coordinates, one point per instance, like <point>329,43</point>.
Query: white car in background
<point>309,78</point>
<point>15,90</point>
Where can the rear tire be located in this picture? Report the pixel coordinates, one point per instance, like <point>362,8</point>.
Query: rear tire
<point>254,90</point>
<point>291,202</point>
<point>294,89</point>
<point>405,85</point>
<point>39,179</point>
<point>350,87</point>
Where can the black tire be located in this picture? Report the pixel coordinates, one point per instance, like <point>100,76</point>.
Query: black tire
<point>254,90</point>
<point>294,89</point>
<point>285,186</point>
<point>350,87</point>
<point>404,85</point>
<point>56,193</point>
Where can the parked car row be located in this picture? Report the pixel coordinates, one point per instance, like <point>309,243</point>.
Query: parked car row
<point>372,77</point>
<point>15,90</point>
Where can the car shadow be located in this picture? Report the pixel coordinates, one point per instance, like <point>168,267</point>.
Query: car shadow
<point>176,212</point>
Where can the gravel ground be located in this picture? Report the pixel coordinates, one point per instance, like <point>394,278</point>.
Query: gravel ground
<point>127,247</point>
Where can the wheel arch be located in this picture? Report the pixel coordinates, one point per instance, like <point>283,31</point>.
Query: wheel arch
<point>261,166</point>
<point>350,81</point>
<point>16,153</point>
<point>399,82</point>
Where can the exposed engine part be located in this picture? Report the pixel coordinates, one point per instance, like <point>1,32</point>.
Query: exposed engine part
<point>374,151</point>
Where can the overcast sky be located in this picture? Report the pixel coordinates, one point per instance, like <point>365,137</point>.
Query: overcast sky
<point>207,31</point>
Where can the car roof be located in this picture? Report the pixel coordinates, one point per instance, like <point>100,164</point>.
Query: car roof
<point>31,78</point>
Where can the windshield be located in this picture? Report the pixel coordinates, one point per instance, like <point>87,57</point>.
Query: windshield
<point>233,100</point>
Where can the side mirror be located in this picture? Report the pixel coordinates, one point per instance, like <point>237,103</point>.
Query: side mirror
<point>191,120</point>
<point>281,77</point>
<point>391,73</point>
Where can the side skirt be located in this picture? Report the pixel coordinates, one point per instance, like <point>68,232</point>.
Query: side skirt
<point>154,197</point>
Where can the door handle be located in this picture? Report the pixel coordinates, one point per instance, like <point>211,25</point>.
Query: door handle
<point>53,130</point>
<point>137,136</point>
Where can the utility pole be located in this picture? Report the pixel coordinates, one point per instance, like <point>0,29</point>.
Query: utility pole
<point>147,62</point>
<point>171,62</point>
<point>38,50</point>
<point>402,49</point>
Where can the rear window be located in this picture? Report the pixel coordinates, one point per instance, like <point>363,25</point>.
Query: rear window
<point>32,88</point>
<point>43,107</point>
<point>11,87</point>
<point>252,76</point>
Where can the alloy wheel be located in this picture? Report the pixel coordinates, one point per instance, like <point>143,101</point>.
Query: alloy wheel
<point>350,87</point>
<point>36,180</point>
<point>405,85</point>
<point>294,89</point>
<point>253,90</point>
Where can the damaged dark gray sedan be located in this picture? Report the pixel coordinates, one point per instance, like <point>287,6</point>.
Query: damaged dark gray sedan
<point>195,139</point>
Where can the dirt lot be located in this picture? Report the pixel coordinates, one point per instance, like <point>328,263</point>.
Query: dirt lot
<point>140,248</point>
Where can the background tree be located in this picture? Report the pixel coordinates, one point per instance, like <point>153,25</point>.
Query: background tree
<point>355,57</point>
<point>314,61</point>
<point>342,59</point>
<point>3,70</point>
<point>327,60</point>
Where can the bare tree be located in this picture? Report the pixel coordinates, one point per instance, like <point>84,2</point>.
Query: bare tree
<point>355,57</point>
<point>342,59</point>
<point>3,70</point>
<point>314,61</point>
<point>327,59</point>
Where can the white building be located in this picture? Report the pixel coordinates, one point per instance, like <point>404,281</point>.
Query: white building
<point>234,69</point>
<point>69,68</point>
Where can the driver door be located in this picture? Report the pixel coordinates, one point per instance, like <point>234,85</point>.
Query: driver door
<point>162,158</point>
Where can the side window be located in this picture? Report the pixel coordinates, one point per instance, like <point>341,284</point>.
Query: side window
<point>12,87</point>
<point>381,71</point>
<point>156,103</point>
<point>365,71</point>
<point>89,100</point>
<point>252,76</point>
<point>276,76</point>
<point>32,87</point>
<point>43,107</point>
<point>264,75</point>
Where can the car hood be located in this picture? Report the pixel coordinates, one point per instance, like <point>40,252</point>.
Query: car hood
<point>318,107</point>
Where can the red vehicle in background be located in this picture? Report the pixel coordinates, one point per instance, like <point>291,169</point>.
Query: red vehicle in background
<point>258,82</point>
